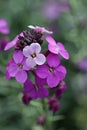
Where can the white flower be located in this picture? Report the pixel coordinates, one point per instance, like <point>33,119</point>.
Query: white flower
<point>33,55</point>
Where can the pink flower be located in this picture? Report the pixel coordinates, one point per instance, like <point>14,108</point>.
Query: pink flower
<point>13,42</point>
<point>40,29</point>
<point>4,26</point>
<point>17,67</point>
<point>57,48</point>
<point>33,55</point>
<point>53,72</point>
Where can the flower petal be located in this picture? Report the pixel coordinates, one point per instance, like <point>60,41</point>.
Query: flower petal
<point>30,62</point>
<point>35,47</point>
<point>42,71</point>
<point>52,80</point>
<point>51,40</point>
<point>18,56</point>
<point>40,59</point>
<point>61,72</point>
<point>42,92</point>
<point>53,60</point>
<point>21,76</point>
<point>27,51</point>
<point>63,52</point>
<point>12,69</point>
<point>53,48</point>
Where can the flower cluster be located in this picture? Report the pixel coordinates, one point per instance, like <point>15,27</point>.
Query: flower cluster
<point>30,59</point>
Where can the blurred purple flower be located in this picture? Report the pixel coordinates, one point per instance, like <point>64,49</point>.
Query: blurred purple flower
<point>54,72</point>
<point>3,43</point>
<point>54,105</point>
<point>52,8</point>
<point>4,29</point>
<point>83,64</point>
<point>41,119</point>
<point>17,67</point>
<point>57,48</point>
<point>60,89</point>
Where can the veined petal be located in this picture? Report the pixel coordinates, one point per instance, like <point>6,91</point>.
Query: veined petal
<point>21,76</point>
<point>63,52</point>
<point>18,56</point>
<point>40,59</point>
<point>30,62</point>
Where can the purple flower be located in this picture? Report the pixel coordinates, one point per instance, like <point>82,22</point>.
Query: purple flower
<point>17,68</point>
<point>53,104</point>
<point>40,29</point>
<point>83,64</point>
<point>33,55</point>
<point>3,43</point>
<point>60,89</point>
<point>57,48</point>
<point>41,119</point>
<point>26,99</point>
<point>53,71</point>
<point>13,42</point>
<point>4,26</point>
<point>35,90</point>
<point>52,8</point>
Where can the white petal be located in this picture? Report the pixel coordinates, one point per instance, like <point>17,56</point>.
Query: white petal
<point>35,47</point>
<point>31,26</point>
<point>40,59</point>
<point>30,62</point>
<point>26,51</point>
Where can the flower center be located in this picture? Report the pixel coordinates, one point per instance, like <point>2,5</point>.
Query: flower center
<point>36,87</point>
<point>51,69</point>
<point>56,48</point>
<point>20,66</point>
<point>33,55</point>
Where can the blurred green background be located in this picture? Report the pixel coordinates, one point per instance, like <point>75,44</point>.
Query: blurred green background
<point>68,21</point>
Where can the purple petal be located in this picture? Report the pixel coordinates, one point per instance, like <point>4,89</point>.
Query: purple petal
<point>7,75</point>
<point>53,48</point>
<point>40,59</point>
<point>42,71</point>
<point>4,26</point>
<point>18,56</point>
<point>61,72</point>
<point>25,67</point>
<point>13,42</point>
<point>51,40</point>
<point>40,82</point>
<point>42,92</point>
<point>52,80</point>
<point>63,52</point>
<point>21,76</point>
<point>12,69</point>
<point>26,99</point>
<point>28,86</point>
<point>30,62</point>
<point>53,60</point>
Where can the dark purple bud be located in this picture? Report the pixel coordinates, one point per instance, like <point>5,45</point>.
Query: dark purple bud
<point>60,89</point>
<point>3,43</point>
<point>54,105</point>
<point>26,99</point>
